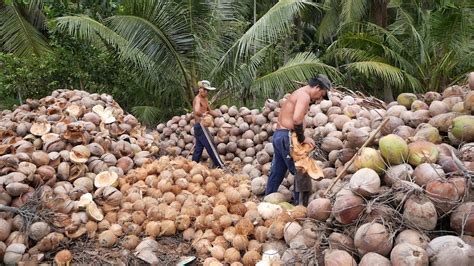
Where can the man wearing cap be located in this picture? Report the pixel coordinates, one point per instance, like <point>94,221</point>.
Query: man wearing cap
<point>290,120</point>
<point>202,135</point>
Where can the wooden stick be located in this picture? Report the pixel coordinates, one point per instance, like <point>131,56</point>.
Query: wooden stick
<point>367,142</point>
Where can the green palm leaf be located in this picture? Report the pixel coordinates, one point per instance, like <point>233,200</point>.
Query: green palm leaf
<point>98,34</point>
<point>146,114</point>
<point>353,10</point>
<point>389,74</point>
<point>301,67</point>
<point>330,23</point>
<point>17,34</point>
<point>267,30</point>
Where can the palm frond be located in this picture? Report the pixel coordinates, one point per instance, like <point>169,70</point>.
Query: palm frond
<point>146,114</point>
<point>301,67</point>
<point>268,29</point>
<point>353,10</point>
<point>389,74</point>
<point>88,29</point>
<point>452,28</point>
<point>153,41</point>
<point>330,23</point>
<point>18,35</point>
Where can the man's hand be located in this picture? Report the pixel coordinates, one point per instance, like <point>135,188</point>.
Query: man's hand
<point>214,113</point>
<point>309,141</point>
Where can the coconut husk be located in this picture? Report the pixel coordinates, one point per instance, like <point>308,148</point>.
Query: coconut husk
<point>303,162</point>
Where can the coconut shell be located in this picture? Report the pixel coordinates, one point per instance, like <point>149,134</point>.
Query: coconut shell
<point>463,127</point>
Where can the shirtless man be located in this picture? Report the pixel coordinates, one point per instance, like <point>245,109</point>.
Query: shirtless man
<point>202,135</point>
<point>290,119</point>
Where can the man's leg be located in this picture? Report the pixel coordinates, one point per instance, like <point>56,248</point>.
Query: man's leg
<point>211,149</point>
<point>278,169</point>
<point>198,147</point>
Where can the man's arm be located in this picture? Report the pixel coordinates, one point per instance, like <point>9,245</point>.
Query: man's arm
<point>301,108</point>
<point>211,112</point>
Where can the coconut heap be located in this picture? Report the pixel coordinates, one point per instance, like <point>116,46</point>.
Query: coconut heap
<point>73,146</point>
<point>74,168</point>
<point>405,199</point>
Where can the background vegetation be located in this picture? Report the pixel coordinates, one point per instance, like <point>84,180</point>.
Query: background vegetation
<point>149,54</point>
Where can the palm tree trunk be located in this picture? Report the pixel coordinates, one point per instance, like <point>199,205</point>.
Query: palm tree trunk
<point>387,93</point>
<point>380,12</point>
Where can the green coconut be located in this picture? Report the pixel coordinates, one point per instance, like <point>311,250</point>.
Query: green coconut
<point>463,128</point>
<point>406,99</point>
<point>394,149</point>
<point>422,151</point>
<point>370,158</point>
<point>427,132</point>
<point>275,198</point>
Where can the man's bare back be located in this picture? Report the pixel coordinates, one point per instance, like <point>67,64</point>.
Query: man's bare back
<point>294,109</point>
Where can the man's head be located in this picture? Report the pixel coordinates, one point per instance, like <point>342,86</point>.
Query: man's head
<point>322,84</point>
<point>204,87</point>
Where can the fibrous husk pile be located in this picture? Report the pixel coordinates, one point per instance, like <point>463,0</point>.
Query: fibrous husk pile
<point>404,193</point>
<point>75,146</point>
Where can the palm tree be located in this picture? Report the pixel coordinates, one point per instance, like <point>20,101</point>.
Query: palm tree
<point>421,50</point>
<point>169,45</point>
<point>22,28</point>
<point>172,44</point>
<point>239,69</point>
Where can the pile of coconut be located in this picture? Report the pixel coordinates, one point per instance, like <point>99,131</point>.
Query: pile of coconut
<point>72,145</point>
<point>405,197</point>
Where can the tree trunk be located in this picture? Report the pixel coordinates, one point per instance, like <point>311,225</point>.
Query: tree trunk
<point>379,16</point>
<point>387,93</point>
<point>380,12</point>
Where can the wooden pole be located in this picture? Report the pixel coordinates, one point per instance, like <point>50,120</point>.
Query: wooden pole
<point>367,142</point>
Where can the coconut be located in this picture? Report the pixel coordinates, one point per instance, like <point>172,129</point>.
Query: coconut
<point>412,237</point>
<point>319,209</point>
<point>426,172</point>
<point>40,128</point>
<point>422,152</point>
<point>80,154</point>
<point>373,258</point>
<point>63,257</point>
<point>356,137</point>
<point>335,257</point>
<point>373,237</point>
<point>443,121</point>
<point>94,212</point>
<point>463,128</point>
<point>449,250</point>
<point>469,102</point>
<point>365,182</point>
<point>393,149</point>
<point>395,174</point>
<point>408,254</point>
<point>462,219</point>
<point>420,212</point>
<point>106,178</point>
<point>370,158</point>
<point>428,133</point>
<point>347,208</point>
<point>444,193</point>
<point>406,99</point>
<point>38,230</point>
